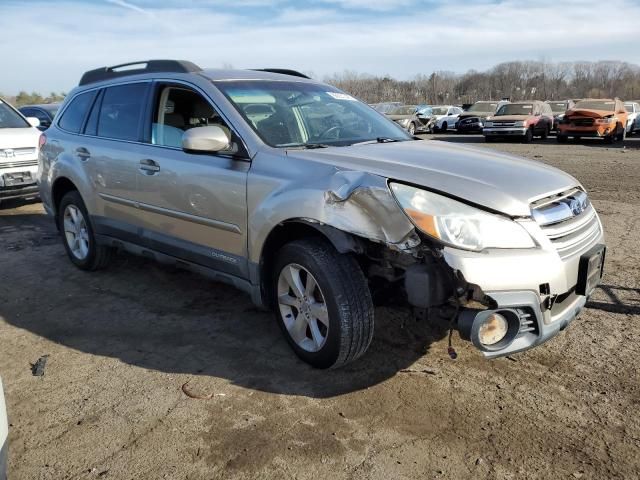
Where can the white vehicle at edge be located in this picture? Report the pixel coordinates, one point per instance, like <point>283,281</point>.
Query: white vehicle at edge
<point>19,139</point>
<point>633,119</point>
<point>4,432</point>
<point>446,117</point>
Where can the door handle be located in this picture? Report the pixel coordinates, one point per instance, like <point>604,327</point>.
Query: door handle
<point>83,153</point>
<point>149,167</point>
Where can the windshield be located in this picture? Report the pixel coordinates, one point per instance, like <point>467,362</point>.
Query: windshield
<point>404,110</point>
<point>440,110</point>
<point>607,105</point>
<point>9,118</point>
<point>628,107</point>
<point>298,114</point>
<point>483,107</point>
<point>559,107</point>
<point>515,109</point>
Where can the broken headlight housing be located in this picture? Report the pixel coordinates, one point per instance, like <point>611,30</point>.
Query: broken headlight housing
<point>457,224</point>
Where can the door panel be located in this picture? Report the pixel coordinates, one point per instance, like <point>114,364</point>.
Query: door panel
<point>192,205</point>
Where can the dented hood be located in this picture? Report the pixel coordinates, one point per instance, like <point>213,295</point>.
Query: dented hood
<point>583,112</point>
<point>497,181</point>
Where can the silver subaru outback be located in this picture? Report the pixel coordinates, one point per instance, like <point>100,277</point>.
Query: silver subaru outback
<point>314,203</point>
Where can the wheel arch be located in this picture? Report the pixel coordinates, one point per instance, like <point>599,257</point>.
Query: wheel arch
<point>296,229</point>
<point>59,189</point>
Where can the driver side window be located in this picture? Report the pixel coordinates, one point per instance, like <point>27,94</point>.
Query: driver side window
<point>178,109</point>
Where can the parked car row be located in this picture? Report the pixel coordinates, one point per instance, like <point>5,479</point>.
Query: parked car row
<point>610,119</point>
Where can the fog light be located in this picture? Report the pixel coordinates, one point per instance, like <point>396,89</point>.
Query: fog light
<point>493,329</point>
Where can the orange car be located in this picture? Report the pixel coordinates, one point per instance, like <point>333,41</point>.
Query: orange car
<point>603,118</point>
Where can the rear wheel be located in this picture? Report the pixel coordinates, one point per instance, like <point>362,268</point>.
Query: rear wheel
<point>323,303</point>
<point>78,236</point>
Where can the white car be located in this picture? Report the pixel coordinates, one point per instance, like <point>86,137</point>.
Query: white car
<point>19,140</point>
<point>446,117</point>
<point>633,120</point>
<point>4,432</point>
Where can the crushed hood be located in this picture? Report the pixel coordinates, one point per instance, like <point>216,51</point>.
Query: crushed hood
<point>497,181</point>
<point>583,112</point>
<point>395,118</point>
<point>19,137</point>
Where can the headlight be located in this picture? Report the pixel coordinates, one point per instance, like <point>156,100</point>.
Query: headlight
<point>604,121</point>
<point>458,224</point>
<point>521,123</point>
<point>404,122</point>
<point>488,123</point>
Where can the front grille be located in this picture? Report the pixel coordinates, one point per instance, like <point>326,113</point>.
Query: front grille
<point>19,163</point>
<point>504,124</point>
<point>469,120</point>
<point>568,220</point>
<point>582,122</point>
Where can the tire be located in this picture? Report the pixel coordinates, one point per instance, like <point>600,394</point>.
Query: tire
<point>609,139</point>
<point>623,134</point>
<point>545,132</point>
<point>87,254</point>
<point>342,287</point>
<point>412,129</point>
<point>528,137</point>
<point>445,127</point>
<point>562,138</point>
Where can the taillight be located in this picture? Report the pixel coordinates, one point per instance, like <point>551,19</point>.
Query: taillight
<point>43,140</point>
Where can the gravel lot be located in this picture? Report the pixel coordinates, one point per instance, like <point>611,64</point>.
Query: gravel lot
<point>123,342</point>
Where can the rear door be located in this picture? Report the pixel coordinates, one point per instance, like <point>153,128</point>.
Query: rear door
<point>112,152</point>
<point>193,205</point>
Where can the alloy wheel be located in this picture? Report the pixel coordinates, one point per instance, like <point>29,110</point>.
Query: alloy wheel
<point>303,307</point>
<point>75,232</point>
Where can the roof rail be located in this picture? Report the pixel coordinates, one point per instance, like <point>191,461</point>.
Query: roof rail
<point>133,68</point>
<point>283,71</point>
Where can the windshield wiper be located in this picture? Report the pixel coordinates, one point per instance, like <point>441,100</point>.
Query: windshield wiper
<point>379,140</point>
<point>311,146</point>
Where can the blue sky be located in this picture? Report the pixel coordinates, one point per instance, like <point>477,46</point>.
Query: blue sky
<point>46,45</point>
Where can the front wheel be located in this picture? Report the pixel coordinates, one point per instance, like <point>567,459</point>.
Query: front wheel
<point>78,236</point>
<point>322,303</point>
<point>445,127</point>
<point>545,132</point>
<point>528,136</point>
<point>412,129</point>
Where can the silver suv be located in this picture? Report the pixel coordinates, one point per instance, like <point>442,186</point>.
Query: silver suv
<point>310,200</point>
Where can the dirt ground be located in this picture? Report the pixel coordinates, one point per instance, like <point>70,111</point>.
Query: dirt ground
<point>124,341</point>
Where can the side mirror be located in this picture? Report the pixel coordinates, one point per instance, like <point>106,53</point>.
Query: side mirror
<point>33,121</point>
<point>206,139</point>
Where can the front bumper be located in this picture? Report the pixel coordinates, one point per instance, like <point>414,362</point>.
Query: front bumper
<point>504,132</point>
<point>23,191</point>
<point>535,282</point>
<point>598,132</point>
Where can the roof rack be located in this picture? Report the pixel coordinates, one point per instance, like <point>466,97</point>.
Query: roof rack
<point>283,71</point>
<point>133,68</point>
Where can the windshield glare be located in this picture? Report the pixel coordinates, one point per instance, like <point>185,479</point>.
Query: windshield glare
<point>9,118</point>
<point>440,110</point>
<point>558,107</point>
<point>404,110</point>
<point>515,109</point>
<point>295,114</point>
<point>608,106</point>
<point>483,107</point>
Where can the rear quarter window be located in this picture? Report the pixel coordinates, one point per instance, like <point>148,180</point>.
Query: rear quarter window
<point>73,116</point>
<point>121,111</point>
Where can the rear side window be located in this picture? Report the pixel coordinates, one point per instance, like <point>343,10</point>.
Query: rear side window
<point>121,111</point>
<point>73,117</point>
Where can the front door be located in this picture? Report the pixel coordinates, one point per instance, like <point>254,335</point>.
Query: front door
<point>193,205</point>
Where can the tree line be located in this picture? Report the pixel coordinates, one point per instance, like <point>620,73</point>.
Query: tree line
<point>33,98</point>
<point>517,80</point>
